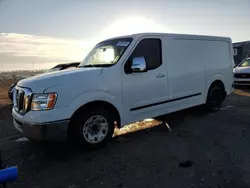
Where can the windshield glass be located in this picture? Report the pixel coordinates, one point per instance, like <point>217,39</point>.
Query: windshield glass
<point>107,53</point>
<point>245,63</point>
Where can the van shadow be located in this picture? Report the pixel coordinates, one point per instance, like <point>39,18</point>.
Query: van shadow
<point>138,132</point>
<point>139,145</point>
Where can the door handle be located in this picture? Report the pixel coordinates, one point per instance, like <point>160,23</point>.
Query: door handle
<point>160,75</point>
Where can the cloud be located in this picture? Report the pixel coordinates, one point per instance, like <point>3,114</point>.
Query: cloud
<point>23,45</point>
<point>133,24</point>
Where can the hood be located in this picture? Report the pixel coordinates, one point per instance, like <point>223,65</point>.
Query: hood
<point>242,70</point>
<point>41,82</point>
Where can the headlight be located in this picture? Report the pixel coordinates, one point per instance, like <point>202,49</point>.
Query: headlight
<point>43,101</point>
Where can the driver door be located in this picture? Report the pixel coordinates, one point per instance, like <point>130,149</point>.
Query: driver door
<point>145,91</point>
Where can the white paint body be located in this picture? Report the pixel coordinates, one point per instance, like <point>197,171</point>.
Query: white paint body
<point>190,64</point>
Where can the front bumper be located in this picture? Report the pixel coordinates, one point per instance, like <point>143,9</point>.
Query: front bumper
<point>49,131</point>
<point>241,81</point>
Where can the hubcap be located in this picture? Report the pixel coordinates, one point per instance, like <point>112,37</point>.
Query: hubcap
<point>95,129</point>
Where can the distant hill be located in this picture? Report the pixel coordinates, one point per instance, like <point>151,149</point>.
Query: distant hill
<point>16,75</point>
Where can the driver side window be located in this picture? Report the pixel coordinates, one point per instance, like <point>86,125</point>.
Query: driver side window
<point>150,49</point>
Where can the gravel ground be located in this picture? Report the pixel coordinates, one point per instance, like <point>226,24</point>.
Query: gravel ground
<point>198,150</point>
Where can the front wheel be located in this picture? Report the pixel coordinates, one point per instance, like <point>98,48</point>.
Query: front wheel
<point>214,99</point>
<point>93,128</point>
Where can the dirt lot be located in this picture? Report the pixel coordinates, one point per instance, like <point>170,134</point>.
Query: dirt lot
<point>200,150</point>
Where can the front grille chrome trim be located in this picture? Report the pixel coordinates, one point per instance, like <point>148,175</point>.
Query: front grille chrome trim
<point>242,75</point>
<point>20,95</point>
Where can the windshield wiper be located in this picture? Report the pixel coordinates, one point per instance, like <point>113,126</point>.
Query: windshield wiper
<point>86,66</point>
<point>97,65</point>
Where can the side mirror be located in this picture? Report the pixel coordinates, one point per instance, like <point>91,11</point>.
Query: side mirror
<point>139,64</point>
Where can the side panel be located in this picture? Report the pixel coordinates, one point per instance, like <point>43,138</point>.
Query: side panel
<point>219,63</point>
<point>185,70</point>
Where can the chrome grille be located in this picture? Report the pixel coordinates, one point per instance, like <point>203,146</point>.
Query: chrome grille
<point>242,75</point>
<point>22,99</point>
<point>242,82</point>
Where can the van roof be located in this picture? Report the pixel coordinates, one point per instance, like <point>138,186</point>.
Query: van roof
<point>139,35</point>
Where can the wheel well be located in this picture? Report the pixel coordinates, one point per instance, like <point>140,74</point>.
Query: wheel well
<point>221,85</point>
<point>105,105</point>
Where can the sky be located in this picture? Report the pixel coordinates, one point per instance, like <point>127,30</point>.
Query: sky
<point>38,34</point>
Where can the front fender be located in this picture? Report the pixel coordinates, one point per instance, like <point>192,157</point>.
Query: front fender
<point>96,96</point>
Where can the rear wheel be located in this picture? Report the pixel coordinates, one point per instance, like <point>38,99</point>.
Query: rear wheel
<point>214,99</point>
<point>93,128</point>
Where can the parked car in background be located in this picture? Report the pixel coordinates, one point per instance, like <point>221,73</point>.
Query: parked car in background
<point>63,67</point>
<point>56,68</point>
<point>124,80</point>
<point>242,73</point>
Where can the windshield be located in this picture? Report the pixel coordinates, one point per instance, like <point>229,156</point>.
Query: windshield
<point>107,53</point>
<point>245,63</point>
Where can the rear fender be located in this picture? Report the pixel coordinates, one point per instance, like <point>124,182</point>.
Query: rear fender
<point>210,82</point>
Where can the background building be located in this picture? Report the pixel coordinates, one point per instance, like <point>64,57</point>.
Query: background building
<point>241,51</point>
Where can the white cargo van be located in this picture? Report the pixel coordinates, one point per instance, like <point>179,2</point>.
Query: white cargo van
<point>123,80</point>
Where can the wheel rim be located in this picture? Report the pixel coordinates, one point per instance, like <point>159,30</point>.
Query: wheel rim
<point>95,129</point>
<point>216,100</point>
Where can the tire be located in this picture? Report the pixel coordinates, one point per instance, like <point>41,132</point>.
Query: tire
<point>87,128</point>
<point>214,99</point>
